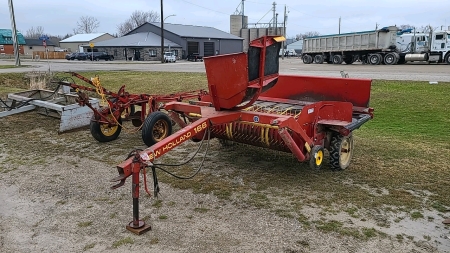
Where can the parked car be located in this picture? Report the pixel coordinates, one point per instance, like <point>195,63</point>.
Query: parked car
<point>100,56</point>
<point>82,56</point>
<point>71,56</point>
<point>170,57</point>
<point>194,57</point>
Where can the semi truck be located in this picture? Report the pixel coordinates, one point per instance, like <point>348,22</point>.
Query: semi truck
<point>388,45</point>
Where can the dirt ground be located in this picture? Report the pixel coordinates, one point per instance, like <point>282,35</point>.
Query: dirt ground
<point>55,197</point>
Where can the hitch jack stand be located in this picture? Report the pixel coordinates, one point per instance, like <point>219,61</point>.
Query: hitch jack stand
<point>137,226</point>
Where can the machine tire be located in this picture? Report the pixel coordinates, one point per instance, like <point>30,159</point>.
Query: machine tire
<point>157,126</point>
<point>341,151</point>
<point>316,157</point>
<point>318,59</point>
<point>447,58</point>
<point>307,59</point>
<point>390,59</point>
<point>375,59</point>
<point>103,133</point>
<point>349,60</point>
<point>337,59</point>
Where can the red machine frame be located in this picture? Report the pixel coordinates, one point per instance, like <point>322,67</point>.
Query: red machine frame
<point>106,123</point>
<point>249,102</point>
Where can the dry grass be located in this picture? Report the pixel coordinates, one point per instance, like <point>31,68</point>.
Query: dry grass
<point>401,160</point>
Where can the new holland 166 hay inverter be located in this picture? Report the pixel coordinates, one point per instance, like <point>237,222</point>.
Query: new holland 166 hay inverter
<point>249,102</point>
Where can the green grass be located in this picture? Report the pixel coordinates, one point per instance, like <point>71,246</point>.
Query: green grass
<point>400,155</point>
<point>84,224</point>
<point>410,110</point>
<point>89,246</point>
<point>126,240</point>
<point>12,66</point>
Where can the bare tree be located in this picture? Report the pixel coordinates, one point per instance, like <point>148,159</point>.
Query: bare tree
<point>301,36</point>
<point>34,32</point>
<point>137,19</point>
<point>86,24</point>
<point>407,26</point>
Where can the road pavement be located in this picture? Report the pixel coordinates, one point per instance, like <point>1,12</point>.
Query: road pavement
<point>291,66</point>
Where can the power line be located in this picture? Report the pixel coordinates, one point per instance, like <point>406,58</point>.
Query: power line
<point>205,7</point>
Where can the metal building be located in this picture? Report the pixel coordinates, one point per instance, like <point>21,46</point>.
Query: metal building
<point>206,41</point>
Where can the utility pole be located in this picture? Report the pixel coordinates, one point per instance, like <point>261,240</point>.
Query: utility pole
<point>276,24</point>
<point>274,10</point>
<point>162,33</point>
<point>284,33</point>
<point>339,25</point>
<point>14,34</point>
<point>376,26</point>
<point>242,12</point>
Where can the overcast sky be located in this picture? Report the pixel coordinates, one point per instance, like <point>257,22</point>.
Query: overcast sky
<point>59,17</point>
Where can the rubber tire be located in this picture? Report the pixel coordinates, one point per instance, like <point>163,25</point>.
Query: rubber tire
<point>97,133</point>
<point>337,59</point>
<point>349,60</point>
<point>390,59</point>
<point>149,124</point>
<point>313,162</point>
<point>447,58</point>
<point>336,162</point>
<point>318,59</point>
<point>375,59</point>
<point>307,59</point>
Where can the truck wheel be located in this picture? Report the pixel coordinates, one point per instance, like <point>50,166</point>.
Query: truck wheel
<point>341,151</point>
<point>316,157</point>
<point>337,59</point>
<point>157,126</point>
<point>447,58</point>
<point>318,59</point>
<point>103,132</point>
<point>307,59</point>
<point>349,60</point>
<point>375,59</point>
<point>390,59</point>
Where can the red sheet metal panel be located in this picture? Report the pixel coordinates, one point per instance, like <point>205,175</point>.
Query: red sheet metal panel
<point>227,79</point>
<point>314,89</point>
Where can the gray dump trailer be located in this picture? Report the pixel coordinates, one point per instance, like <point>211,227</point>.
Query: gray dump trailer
<point>373,47</point>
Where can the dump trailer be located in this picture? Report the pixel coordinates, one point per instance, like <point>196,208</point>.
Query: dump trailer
<point>374,47</point>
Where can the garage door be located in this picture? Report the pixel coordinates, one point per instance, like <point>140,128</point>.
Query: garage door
<point>209,48</point>
<point>193,47</point>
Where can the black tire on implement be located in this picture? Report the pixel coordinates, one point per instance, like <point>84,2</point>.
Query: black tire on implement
<point>341,151</point>
<point>157,126</point>
<point>316,157</point>
<point>104,133</point>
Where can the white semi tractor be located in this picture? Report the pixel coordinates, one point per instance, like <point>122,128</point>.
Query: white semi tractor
<point>388,45</point>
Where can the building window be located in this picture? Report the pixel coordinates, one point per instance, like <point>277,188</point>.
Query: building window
<point>115,52</point>
<point>152,52</point>
<point>175,52</point>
